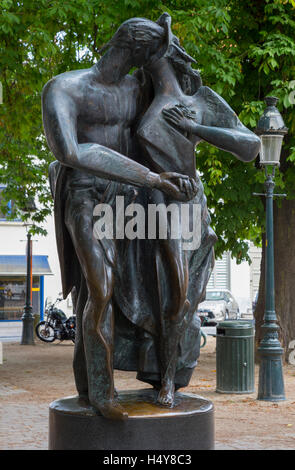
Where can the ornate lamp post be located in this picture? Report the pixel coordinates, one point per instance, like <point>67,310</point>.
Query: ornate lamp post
<point>271,129</point>
<point>28,317</point>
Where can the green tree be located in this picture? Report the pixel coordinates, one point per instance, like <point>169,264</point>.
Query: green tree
<point>245,51</point>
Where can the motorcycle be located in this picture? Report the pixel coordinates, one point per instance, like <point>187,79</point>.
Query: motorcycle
<point>56,325</point>
<point>206,317</point>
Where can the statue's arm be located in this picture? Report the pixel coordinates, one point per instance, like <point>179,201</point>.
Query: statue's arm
<point>217,124</point>
<point>60,115</point>
<point>238,140</point>
<point>220,126</point>
<point>222,129</point>
<point>59,112</point>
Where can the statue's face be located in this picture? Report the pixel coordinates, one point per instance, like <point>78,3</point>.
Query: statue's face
<point>143,54</point>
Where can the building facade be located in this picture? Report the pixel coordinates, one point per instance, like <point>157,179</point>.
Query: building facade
<point>46,281</point>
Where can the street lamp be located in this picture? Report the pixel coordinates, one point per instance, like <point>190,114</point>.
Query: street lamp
<point>28,317</point>
<point>271,129</point>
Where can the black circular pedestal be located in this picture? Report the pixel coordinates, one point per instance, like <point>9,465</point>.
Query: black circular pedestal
<point>189,425</point>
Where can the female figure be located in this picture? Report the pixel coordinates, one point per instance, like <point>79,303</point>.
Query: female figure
<point>182,114</point>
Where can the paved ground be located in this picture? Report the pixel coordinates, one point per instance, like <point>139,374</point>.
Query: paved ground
<point>33,376</point>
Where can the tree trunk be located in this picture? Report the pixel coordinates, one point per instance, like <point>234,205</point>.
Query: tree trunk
<point>284,259</point>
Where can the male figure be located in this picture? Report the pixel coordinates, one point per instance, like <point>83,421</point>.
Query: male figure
<point>89,117</point>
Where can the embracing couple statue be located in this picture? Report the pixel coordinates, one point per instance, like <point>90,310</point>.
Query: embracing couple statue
<point>114,133</point>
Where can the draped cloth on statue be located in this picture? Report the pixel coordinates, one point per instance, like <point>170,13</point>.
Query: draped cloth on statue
<point>146,289</point>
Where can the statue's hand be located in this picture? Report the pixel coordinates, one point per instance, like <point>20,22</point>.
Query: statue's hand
<point>177,186</point>
<point>176,117</point>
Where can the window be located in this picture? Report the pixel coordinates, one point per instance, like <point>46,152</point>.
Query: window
<point>13,294</point>
<point>220,277</point>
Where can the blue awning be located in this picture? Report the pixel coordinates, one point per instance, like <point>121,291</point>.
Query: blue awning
<point>11,265</point>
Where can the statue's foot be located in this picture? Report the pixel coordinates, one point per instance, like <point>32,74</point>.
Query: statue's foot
<point>166,395</point>
<point>110,409</point>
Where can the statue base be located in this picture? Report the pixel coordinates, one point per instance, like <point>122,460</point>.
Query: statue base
<point>189,425</point>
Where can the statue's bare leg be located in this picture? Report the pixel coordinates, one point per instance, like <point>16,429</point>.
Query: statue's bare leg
<point>97,320</point>
<point>170,337</point>
<point>173,308</point>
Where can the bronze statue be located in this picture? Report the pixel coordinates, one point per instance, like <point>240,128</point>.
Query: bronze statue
<point>134,135</point>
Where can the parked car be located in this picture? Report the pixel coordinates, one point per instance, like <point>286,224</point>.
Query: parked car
<point>219,305</point>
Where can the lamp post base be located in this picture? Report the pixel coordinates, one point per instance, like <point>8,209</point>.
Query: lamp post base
<point>28,330</point>
<point>271,380</point>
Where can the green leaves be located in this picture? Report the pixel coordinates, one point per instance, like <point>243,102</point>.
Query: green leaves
<point>245,51</point>
<point>251,112</point>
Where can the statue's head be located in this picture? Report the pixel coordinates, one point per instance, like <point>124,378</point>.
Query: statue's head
<point>145,39</point>
<point>189,78</point>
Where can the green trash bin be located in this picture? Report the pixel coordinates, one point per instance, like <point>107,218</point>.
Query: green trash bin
<point>235,357</point>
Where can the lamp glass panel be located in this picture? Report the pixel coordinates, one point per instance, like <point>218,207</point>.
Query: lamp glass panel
<point>270,151</point>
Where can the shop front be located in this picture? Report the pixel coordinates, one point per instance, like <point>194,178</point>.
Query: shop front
<point>13,285</point>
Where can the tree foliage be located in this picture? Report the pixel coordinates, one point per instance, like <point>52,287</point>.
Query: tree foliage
<point>245,51</point>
